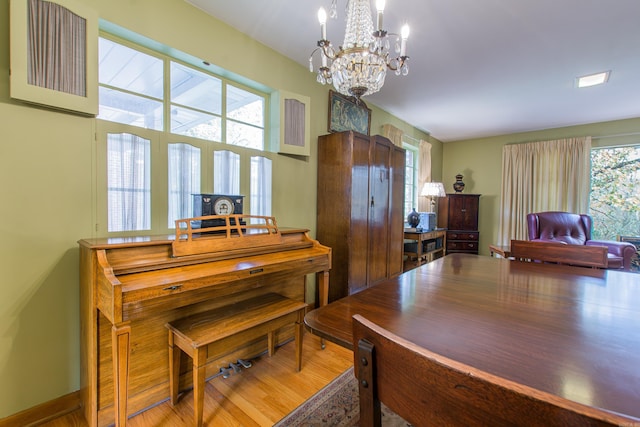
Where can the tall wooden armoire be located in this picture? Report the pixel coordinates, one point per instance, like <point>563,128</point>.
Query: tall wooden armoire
<point>360,209</point>
<point>458,213</point>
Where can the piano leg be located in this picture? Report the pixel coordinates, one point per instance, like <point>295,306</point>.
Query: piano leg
<point>120,335</point>
<point>322,282</point>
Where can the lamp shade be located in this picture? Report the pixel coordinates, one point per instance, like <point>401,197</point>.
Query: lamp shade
<point>433,189</point>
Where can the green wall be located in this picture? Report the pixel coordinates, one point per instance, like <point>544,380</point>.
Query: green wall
<point>48,203</point>
<point>48,199</point>
<point>480,161</point>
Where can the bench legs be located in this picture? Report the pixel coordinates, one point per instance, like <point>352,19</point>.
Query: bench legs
<point>199,370</point>
<point>299,327</point>
<point>199,367</point>
<point>271,342</point>
<point>174,369</point>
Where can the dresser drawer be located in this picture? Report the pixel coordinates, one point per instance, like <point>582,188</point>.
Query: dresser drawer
<point>462,246</point>
<point>462,235</point>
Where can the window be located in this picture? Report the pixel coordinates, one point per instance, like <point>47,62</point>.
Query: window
<point>196,103</point>
<point>245,118</point>
<point>131,86</point>
<point>169,118</point>
<point>133,94</point>
<point>615,192</point>
<point>411,171</point>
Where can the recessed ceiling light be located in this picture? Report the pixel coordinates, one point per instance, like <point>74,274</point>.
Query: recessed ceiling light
<point>593,79</point>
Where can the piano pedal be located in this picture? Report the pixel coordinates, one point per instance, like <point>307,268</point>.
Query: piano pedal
<point>236,367</point>
<point>245,363</point>
<point>226,372</point>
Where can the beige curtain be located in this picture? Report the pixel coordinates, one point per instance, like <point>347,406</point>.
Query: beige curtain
<point>424,174</point>
<point>542,176</point>
<point>393,133</point>
<point>424,162</point>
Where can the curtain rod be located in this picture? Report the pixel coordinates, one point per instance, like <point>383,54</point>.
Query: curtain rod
<point>410,137</point>
<point>616,135</point>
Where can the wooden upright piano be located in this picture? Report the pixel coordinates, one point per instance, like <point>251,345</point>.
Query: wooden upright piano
<point>132,286</point>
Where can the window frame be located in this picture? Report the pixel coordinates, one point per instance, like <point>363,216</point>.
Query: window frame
<point>160,141</point>
<point>599,232</point>
<point>414,178</point>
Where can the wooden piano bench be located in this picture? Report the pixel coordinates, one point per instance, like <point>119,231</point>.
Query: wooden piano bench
<point>200,333</point>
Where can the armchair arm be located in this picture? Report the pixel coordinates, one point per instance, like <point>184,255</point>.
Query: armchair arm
<point>625,250</point>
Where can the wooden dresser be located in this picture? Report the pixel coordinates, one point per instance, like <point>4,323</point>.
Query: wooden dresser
<point>132,286</point>
<point>458,213</point>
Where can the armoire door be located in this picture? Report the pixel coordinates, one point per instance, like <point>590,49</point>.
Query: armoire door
<point>396,213</point>
<point>358,238</point>
<point>463,212</point>
<point>379,218</point>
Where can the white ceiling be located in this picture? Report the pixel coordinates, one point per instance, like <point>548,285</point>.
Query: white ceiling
<point>478,67</point>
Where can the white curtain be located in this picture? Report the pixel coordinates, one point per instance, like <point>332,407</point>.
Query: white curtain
<point>184,180</point>
<point>424,175</point>
<point>542,176</point>
<point>128,182</point>
<point>260,186</point>
<point>226,172</point>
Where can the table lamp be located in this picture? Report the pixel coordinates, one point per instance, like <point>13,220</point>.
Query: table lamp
<point>433,190</point>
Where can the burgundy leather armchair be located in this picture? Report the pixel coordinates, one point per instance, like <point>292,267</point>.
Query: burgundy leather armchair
<point>575,229</point>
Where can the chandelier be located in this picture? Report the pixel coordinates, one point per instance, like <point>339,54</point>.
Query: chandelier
<point>360,65</point>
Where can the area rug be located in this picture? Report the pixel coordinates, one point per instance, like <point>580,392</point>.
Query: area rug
<point>336,405</point>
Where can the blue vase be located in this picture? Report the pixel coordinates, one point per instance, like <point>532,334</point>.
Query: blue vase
<point>413,218</point>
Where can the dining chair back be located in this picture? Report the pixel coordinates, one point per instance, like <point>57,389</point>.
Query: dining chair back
<point>560,253</point>
<point>425,388</point>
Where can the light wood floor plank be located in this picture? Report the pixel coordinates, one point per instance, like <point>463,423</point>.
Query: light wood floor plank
<point>256,397</point>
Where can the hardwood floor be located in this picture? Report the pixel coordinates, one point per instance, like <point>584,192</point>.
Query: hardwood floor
<point>258,396</point>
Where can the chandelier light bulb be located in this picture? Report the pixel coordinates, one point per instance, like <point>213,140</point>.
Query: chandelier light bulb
<point>322,18</point>
<point>404,34</point>
<point>380,9</point>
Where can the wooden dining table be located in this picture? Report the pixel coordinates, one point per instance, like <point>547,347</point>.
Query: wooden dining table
<point>570,331</point>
